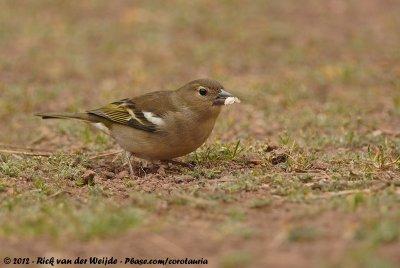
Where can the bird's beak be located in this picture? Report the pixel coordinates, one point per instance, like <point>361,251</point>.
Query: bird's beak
<point>225,98</point>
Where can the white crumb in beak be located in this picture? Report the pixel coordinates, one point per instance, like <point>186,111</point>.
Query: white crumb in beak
<point>231,100</point>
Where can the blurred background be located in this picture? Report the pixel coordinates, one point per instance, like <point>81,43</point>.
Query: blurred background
<point>324,75</point>
<point>72,55</point>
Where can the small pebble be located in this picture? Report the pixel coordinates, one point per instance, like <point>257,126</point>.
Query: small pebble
<point>109,175</point>
<point>87,178</point>
<point>281,158</point>
<point>270,148</point>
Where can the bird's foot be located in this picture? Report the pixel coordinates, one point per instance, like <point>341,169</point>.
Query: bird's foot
<point>190,165</point>
<point>128,156</point>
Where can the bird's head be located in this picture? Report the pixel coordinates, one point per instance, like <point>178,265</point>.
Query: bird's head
<point>205,94</point>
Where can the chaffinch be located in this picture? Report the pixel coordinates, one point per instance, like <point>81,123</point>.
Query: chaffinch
<point>160,125</point>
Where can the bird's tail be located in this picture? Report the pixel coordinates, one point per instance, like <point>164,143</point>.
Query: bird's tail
<point>79,116</point>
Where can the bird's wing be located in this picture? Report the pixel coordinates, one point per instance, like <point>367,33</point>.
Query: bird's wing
<point>127,113</point>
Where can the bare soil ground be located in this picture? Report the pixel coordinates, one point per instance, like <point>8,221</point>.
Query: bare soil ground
<point>305,172</point>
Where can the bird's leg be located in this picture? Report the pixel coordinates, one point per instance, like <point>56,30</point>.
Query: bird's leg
<point>144,171</point>
<point>143,165</point>
<point>128,156</point>
<point>116,158</point>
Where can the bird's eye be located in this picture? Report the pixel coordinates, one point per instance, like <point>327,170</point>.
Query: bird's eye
<point>202,91</point>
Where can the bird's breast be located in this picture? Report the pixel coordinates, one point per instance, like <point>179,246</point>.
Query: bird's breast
<point>190,133</point>
<point>180,135</point>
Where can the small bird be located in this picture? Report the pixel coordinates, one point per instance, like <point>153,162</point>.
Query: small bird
<point>160,125</point>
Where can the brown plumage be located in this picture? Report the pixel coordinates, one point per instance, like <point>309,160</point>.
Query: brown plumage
<point>160,125</point>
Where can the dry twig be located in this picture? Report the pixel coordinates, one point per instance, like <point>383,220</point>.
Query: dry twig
<point>27,153</point>
<point>340,193</point>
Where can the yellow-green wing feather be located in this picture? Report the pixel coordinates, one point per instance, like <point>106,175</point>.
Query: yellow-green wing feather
<point>125,112</point>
